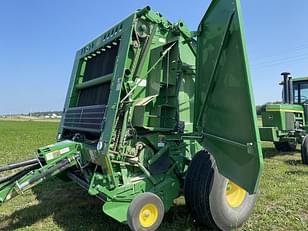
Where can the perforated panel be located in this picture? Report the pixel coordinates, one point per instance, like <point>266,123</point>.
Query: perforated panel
<point>84,118</point>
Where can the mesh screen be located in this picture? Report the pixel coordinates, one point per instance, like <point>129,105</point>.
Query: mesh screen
<point>101,64</point>
<point>96,95</point>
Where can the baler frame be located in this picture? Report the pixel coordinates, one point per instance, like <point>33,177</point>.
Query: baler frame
<point>133,125</point>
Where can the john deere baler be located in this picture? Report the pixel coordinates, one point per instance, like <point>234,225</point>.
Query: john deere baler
<point>153,112</point>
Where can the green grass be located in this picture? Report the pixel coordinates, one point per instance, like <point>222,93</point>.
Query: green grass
<point>55,205</point>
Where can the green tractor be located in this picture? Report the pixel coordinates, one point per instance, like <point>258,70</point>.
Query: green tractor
<point>150,115</point>
<point>286,123</point>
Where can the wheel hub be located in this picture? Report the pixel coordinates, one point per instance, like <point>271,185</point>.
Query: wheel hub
<point>235,195</point>
<point>148,215</point>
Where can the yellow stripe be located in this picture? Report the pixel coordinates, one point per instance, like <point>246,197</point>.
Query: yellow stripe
<point>284,110</point>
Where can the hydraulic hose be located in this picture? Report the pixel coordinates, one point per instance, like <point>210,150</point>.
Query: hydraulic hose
<point>18,165</point>
<point>10,179</point>
<point>61,166</point>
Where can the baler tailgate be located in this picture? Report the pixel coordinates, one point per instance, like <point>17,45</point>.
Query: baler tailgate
<point>226,116</point>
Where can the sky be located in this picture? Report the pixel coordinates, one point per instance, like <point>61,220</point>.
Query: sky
<point>39,39</point>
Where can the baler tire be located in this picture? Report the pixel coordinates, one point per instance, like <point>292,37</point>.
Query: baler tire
<point>304,150</point>
<point>205,194</point>
<point>285,146</point>
<point>145,202</point>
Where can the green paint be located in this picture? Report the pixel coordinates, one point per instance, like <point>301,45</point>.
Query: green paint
<point>52,156</point>
<point>169,96</point>
<point>226,113</point>
<point>286,122</point>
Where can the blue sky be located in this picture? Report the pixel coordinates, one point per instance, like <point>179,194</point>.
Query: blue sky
<point>38,41</point>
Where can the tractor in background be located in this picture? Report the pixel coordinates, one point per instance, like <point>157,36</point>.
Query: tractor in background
<point>286,123</point>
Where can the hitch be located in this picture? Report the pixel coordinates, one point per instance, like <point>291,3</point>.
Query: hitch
<point>28,164</point>
<point>37,170</point>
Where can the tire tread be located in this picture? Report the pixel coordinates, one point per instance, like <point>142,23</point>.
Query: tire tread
<point>304,150</point>
<point>198,183</point>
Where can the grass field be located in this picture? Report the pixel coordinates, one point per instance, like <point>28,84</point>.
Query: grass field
<point>55,205</point>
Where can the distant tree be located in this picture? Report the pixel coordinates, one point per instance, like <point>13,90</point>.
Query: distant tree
<point>259,109</point>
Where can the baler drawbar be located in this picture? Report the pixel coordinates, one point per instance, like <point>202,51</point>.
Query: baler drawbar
<point>36,170</point>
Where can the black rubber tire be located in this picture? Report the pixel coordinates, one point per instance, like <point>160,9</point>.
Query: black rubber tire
<point>304,150</point>
<point>205,196</point>
<point>285,146</point>
<point>136,206</point>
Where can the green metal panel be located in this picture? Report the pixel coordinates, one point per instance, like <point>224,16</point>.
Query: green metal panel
<point>273,119</point>
<point>115,90</point>
<point>269,134</point>
<point>226,114</point>
<point>282,116</point>
<point>284,107</point>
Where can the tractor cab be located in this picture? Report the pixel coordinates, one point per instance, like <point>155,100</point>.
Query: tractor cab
<point>294,90</point>
<point>300,90</point>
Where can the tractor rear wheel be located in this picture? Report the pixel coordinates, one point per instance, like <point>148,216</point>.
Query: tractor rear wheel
<point>213,200</point>
<point>304,150</point>
<point>145,212</point>
<point>286,146</point>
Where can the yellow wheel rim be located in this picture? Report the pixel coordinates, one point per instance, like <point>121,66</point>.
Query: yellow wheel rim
<point>148,215</point>
<point>235,194</point>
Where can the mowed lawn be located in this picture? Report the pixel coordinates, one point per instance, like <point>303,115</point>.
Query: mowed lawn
<point>56,205</point>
